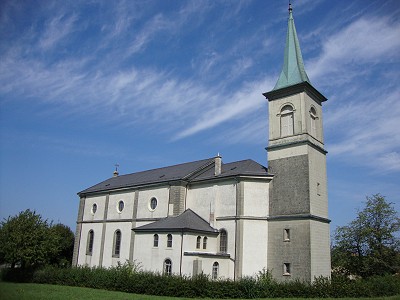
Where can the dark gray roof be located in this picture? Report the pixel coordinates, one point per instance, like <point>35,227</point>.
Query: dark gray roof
<point>165,174</point>
<point>191,172</point>
<point>188,221</point>
<point>244,167</point>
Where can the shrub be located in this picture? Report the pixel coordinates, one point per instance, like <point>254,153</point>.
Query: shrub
<point>130,278</point>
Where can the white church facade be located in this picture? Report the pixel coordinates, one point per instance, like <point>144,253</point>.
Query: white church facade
<point>226,220</point>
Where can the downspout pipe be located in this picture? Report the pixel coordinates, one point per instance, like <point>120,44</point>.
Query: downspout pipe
<point>180,265</point>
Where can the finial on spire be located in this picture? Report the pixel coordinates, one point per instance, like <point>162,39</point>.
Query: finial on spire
<point>116,173</point>
<point>290,7</point>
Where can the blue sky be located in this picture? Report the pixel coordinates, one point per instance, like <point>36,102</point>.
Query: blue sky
<point>88,84</point>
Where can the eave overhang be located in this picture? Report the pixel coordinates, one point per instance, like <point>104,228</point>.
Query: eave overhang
<point>295,89</point>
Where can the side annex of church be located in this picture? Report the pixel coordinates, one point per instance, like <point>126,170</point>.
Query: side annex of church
<point>226,220</point>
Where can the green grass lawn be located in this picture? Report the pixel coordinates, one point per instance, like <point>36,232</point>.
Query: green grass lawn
<point>10,291</point>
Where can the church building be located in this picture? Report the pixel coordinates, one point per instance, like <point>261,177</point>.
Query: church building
<point>226,220</point>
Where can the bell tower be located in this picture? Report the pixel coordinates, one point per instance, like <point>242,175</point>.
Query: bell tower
<point>298,234</point>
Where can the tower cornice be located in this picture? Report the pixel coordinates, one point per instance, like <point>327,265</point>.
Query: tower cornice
<point>295,89</point>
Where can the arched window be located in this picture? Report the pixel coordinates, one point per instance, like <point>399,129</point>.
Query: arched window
<point>313,117</point>
<point>169,240</point>
<point>89,248</point>
<point>223,241</point>
<point>117,243</point>
<point>155,241</point>
<point>205,242</point>
<point>121,205</point>
<point>153,203</point>
<point>167,267</point>
<point>287,122</point>
<point>94,208</point>
<point>215,270</point>
<point>198,242</point>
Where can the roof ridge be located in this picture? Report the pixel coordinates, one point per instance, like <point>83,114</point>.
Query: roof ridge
<point>242,160</point>
<point>188,209</point>
<point>176,165</point>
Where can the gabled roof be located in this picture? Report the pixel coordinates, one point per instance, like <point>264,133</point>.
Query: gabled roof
<point>188,221</point>
<point>293,71</point>
<point>176,172</point>
<point>244,167</point>
<point>190,172</point>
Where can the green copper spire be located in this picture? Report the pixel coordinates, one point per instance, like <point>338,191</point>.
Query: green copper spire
<point>293,67</point>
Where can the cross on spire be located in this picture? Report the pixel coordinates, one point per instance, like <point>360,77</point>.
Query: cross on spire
<point>116,173</point>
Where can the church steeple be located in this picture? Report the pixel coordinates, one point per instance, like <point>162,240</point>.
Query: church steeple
<point>298,200</point>
<point>293,71</point>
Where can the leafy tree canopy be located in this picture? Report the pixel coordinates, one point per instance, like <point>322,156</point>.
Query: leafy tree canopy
<point>369,245</point>
<point>27,240</point>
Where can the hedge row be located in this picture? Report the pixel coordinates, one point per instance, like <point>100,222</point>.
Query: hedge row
<point>124,278</point>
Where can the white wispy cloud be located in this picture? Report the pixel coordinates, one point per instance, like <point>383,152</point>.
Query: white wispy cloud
<point>56,30</point>
<point>363,41</point>
<point>247,99</point>
<point>361,120</point>
<point>368,130</point>
<point>97,84</point>
<point>147,33</point>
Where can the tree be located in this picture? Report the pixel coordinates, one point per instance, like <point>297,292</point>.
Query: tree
<point>28,241</point>
<point>65,239</point>
<point>368,245</point>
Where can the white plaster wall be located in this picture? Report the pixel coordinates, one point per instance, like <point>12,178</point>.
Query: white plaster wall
<point>90,260</point>
<point>320,250</point>
<point>255,243</point>
<point>145,195</point>
<point>275,107</point>
<point>127,212</point>
<point>125,228</point>
<point>288,152</point>
<point>191,241</point>
<point>308,102</point>
<point>229,226</point>
<point>87,212</point>
<point>206,263</point>
<point>256,198</point>
<point>226,204</point>
<point>152,258</point>
<point>220,195</point>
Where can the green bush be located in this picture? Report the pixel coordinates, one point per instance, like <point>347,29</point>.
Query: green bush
<point>17,275</point>
<point>129,278</point>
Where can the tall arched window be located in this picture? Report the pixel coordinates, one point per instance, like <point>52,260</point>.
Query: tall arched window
<point>155,241</point>
<point>167,267</point>
<point>313,117</point>
<point>205,242</point>
<point>215,270</point>
<point>223,241</point>
<point>198,242</point>
<point>89,248</point>
<point>287,122</point>
<point>117,243</point>
<point>169,240</point>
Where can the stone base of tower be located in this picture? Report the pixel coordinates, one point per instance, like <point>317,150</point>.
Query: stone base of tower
<point>298,249</point>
